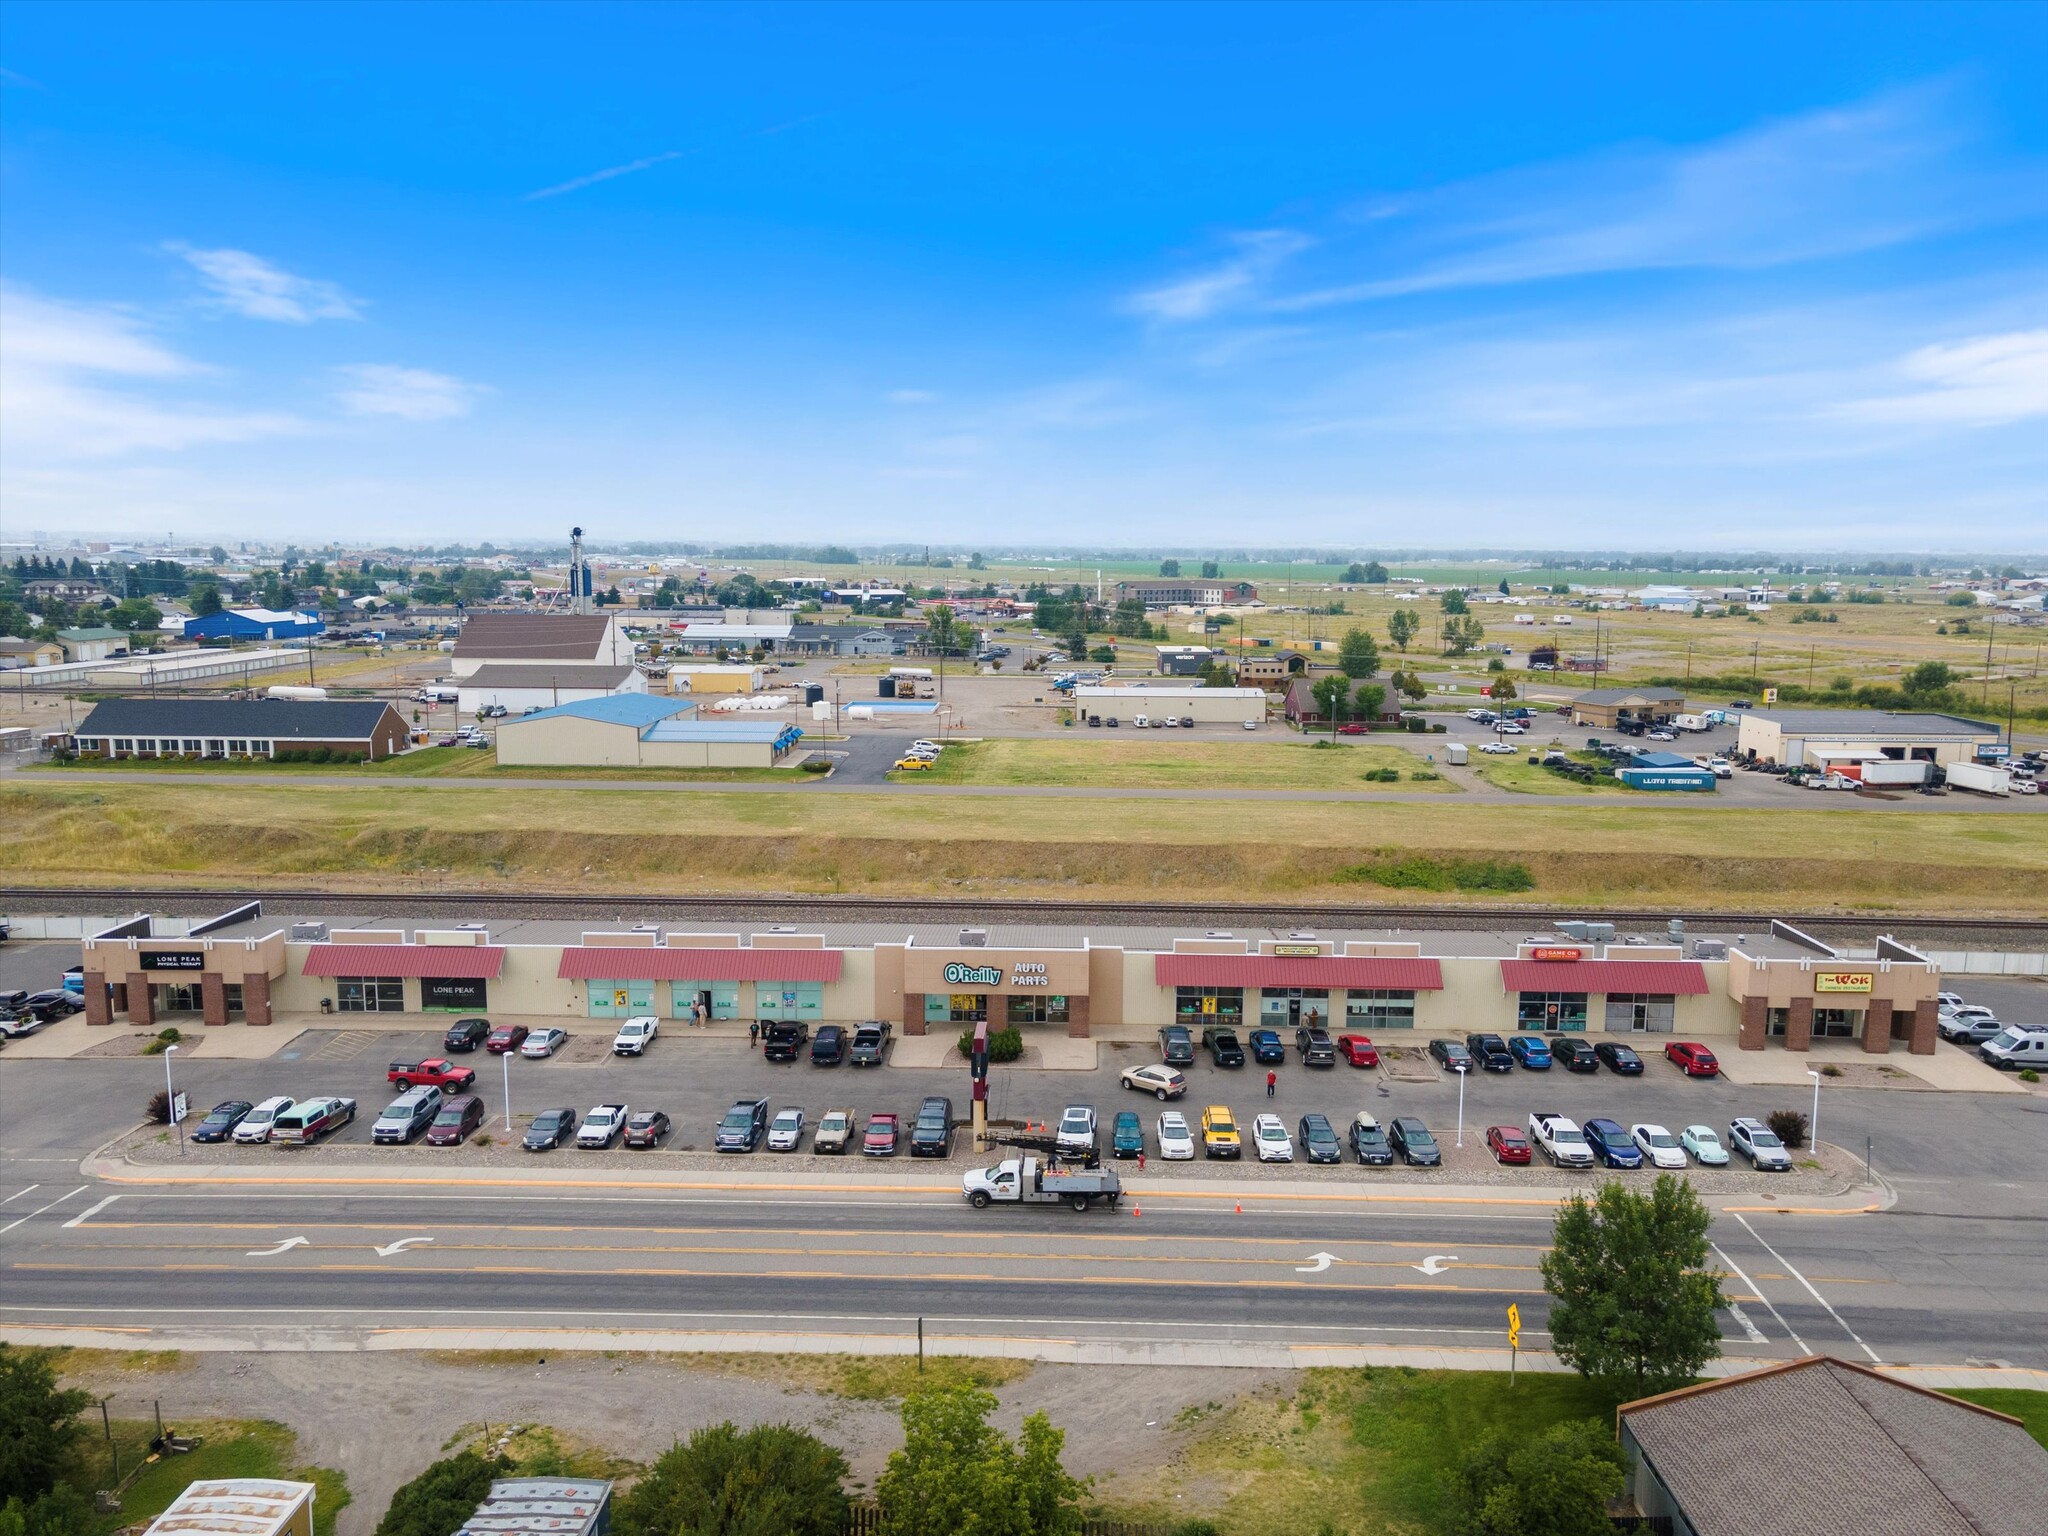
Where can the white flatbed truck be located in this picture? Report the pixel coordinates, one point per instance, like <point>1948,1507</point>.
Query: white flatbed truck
<point>1034,1181</point>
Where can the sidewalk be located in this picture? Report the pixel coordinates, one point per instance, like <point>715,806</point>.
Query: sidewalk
<point>1947,1069</point>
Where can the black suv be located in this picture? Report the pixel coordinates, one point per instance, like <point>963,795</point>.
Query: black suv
<point>828,1046</point>
<point>1411,1138</point>
<point>782,1041</point>
<point>1176,1046</point>
<point>1574,1053</point>
<point>1224,1050</point>
<point>932,1135</point>
<point>743,1126</point>
<point>465,1035</point>
<point>1491,1052</point>
<point>1619,1058</point>
<point>1369,1144</point>
<point>1316,1047</point>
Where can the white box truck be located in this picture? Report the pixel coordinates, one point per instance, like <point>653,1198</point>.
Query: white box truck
<point>1690,722</point>
<point>1982,778</point>
<point>1890,773</point>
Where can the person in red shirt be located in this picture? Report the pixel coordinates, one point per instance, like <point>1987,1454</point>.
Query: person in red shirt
<point>1272,1081</point>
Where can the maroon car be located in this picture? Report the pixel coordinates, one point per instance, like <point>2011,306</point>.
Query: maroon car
<point>1507,1144</point>
<point>505,1037</point>
<point>1693,1059</point>
<point>880,1137</point>
<point>459,1116</point>
<point>1358,1050</point>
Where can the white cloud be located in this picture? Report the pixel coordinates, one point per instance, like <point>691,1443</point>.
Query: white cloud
<point>414,394</point>
<point>1984,381</point>
<point>75,379</point>
<point>911,397</point>
<point>1258,252</point>
<point>248,285</point>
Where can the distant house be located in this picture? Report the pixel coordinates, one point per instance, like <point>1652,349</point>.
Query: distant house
<point>224,728</point>
<point>1270,669</point>
<point>1303,708</point>
<point>93,643</point>
<point>66,589</point>
<point>523,639</point>
<point>1822,1447</point>
<point>28,653</point>
<point>543,685</point>
<point>256,624</point>
<point>1612,708</point>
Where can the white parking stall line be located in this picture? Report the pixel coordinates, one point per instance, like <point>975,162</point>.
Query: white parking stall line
<point>31,1216</point>
<point>1758,1292</point>
<point>19,1193</point>
<point>92,1210</point>
<point>1816,1295</point>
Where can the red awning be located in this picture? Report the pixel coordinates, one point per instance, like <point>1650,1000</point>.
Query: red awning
<point>599,962</point>
<point>1364,973</point>
<point>467,961</point>
<point>1676,978</point>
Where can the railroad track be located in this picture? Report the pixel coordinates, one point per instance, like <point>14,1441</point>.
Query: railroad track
<point>1950,932</point>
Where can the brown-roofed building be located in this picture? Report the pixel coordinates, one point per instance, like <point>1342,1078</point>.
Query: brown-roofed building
<point>520,639</point>
<point>1826,1448</point>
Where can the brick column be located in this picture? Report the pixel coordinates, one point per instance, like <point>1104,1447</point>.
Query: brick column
<point>1077,1018</point>
<point>1924,1037</point>
<point>256,998</point>
<point>1799,1025</point>
<point>1877,1029</point>
<point>1755,1019</point>
<point>913,1013</point>
<point>213,998</point>
<point>98,1006</point>
<point>141,1006</point>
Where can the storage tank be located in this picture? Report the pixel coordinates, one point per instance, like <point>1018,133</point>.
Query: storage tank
<point>813,692</point>
<point>886,688</point>
<point>299,691</point>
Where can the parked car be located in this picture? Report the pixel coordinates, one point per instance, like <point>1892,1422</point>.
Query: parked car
<point>406,1116</point>
<point>1219,1133</point>
<point>1692,1058</point>
<point>601,1126</point>
<point>1075,1136</point>
<point>458,1117</point>
<point>1126,1135</point>
<point>1271,1141</point>
<point>1612,1145</point>
<point>1176,1046</point>
<point>781,1040</point>
<point>828,1046</point>
<point>1266,1047</point>
<point>647,1128</point>
<point>1161,1082</point>
<point>2015,1047</point>
<point>1450,1055</point>
<point>53,1003</point>
<point>835,1129</point>
<point>870,1041</point>
<point>1491,1052</point>
<point>786,1130</point>
<point>1315,1045</point>
<point>1757,1142</point>
<point>1224,1049</point>
<point>255,1126</point>
<point>1658,1145</point>
<point>1619,1058</point>
<point>1531,1052</point>
<point>505,1037</point>
<point>743,1126</point>
<point>1319,1142</point>
<point>543,1043</point>
<point>310,1119</point>
<point>1369,1142</point>
<point>635,1035</point>
<point>1704,1145</point>
<point>931,1134</point>
<point>1574,1053</point>
<point>221,1120</point>
<point>1967,1025</point>
<point>549,1129</point>
<point>1410,1137</point>
<point>879,1139</point>
<point>1508,1145</point>
<point>465,1035</point>
<point>1358,1050</point>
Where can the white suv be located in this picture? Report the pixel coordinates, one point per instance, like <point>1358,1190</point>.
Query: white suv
<point>255,1126</point>
<point>1757,1142</point>
<point>634,1035</point>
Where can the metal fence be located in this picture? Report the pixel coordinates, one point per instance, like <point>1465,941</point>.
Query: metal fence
<point>866,1520</point>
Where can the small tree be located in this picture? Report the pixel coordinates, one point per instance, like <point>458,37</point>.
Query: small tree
<point>1169,567</point>
<point>939,627</point>
<point>1633,1303</point>
<point>771,1480</point>
<point>443,1496</point>
<point>1556,1484</point>
<point>1504,586</point>
<point>1503,689</point>
<point>956,1473</point>
<point>1401,627</point>
<point>1789,1126</point>
<point>1454,602</point>
<point>1358,655</point>
<point>1331,693</point>
<point>1211,570</point>
<point>1462,634</point>
<point>39,1426</point>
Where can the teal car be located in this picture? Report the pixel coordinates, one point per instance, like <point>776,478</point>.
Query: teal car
<point>1126,1136</point>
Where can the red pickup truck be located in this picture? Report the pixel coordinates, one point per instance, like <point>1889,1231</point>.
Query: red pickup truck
<point>436,1072</point>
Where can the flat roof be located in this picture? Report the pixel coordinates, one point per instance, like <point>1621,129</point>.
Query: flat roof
<point>1871,722</point>
<point>635,709</point>
<point>716,730</point>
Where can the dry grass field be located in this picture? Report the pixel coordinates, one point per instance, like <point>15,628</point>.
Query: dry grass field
<point>1171,762</point>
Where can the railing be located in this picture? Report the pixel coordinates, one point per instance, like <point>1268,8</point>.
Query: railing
<point>866,1520</point>
<point>1654,1525</point>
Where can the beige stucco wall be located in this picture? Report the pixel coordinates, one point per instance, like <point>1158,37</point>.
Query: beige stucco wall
<point>1211,706</point>
<point>1897,983</point>
<point>564,740</point>
<point>706,754</point>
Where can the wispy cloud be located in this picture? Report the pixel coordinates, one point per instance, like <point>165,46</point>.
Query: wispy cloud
<point>80,382</point>
<point>412,394</point>
<point>649,162</point>
<point>1983,381</point>
<point>911,397</point>
<point>247,285</point>
<point>1254,255</point>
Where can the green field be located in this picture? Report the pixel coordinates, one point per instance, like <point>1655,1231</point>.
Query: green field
<point>1092,761</point>
<point>1519,775</point>
<point>227,1448</point>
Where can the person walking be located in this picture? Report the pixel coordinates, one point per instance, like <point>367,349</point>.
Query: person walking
<point>754,1033</point>
<point>1272,1082</point>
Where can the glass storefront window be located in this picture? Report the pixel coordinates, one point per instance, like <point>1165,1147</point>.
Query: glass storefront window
<point>789,999</point>
<point>1036,1008</point>
<point>724,998</point>
<point>1196,1006</point>
<point>955,1007</point>
<point>179,997</point>
<point>369,994</point>
<point>232,991</point>
<point>1640,1012</point>
<point>1776,1020</point>
<point>1551,1010</point>
<point>1285,1007</point>
<point>1836,1023</point>
<point>1379,1009</point>
<point>620,999</point>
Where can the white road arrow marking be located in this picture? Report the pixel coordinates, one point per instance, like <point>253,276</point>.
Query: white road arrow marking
<point>1754,1333</point>
<point>400,1246</point>
<point>1317,1263</point>
<point>284,1247</point>
<point>1436,1263</point>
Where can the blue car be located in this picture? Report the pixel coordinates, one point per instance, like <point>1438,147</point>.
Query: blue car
<point>1612,1144</point>
<point>1531,1052</point>
<point>1266,1046</point>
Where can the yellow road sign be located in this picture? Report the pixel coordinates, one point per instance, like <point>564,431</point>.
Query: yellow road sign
<point>1514,1326</point>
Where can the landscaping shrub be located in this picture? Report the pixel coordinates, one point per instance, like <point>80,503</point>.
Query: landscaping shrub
<point>158,1109</point>
<point>1423,775</point>
<point>163,1038</point>
<point>824,764</point>
<point>2029,1075</point>
<point>1004,1045</point>
<point>1430,872</point>
<point>1788,1125</point>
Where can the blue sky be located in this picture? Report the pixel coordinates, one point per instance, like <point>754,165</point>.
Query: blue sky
<point>1638,276</point>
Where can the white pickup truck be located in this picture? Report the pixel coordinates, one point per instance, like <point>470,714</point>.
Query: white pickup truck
<point>1561,1140</point>
<point>1031,1181</point>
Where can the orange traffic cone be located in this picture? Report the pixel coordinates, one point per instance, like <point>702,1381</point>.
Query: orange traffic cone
<point>1136,1212</point>
<point>1240,1207</point>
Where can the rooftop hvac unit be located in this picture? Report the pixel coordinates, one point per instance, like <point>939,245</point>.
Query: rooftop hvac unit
<point>1600,933</point>
<point>1219,933</point>
<point>974,938</point>
<point>1677,928</point>
<point>309,933</point>
<point>644,927</point>
<point>1709,949</point>
<point>1574,928</point>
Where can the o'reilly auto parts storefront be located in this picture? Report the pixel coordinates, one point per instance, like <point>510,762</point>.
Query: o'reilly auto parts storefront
<point>947,988</point>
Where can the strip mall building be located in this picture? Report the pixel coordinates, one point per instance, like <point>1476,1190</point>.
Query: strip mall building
<point>1778,989</point>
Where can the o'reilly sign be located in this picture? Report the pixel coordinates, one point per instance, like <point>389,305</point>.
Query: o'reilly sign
<point>958,975</point>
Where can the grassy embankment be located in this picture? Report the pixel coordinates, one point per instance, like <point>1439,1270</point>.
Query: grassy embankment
<point>1520,776</point>
<point>228,1448</point>
<point>394,836</point>
<point>1174,762</point>
<point>426,763</point>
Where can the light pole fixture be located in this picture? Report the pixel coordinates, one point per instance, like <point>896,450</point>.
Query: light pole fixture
<point>171,1101</point>
<point>1813,1124</point>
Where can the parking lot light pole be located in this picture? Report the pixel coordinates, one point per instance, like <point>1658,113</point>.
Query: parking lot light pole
<point>171,1100</point>
<point>505,1060</point>
<point>1813,1125</point>
<point>1461,1106</point>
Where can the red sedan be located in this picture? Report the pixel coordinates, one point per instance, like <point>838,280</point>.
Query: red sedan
<point>1351,730</point>
<point>1358,1050</point>
<point>505,1037</point>
<point>1692,1059</point>
<point>1507,1144</point>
